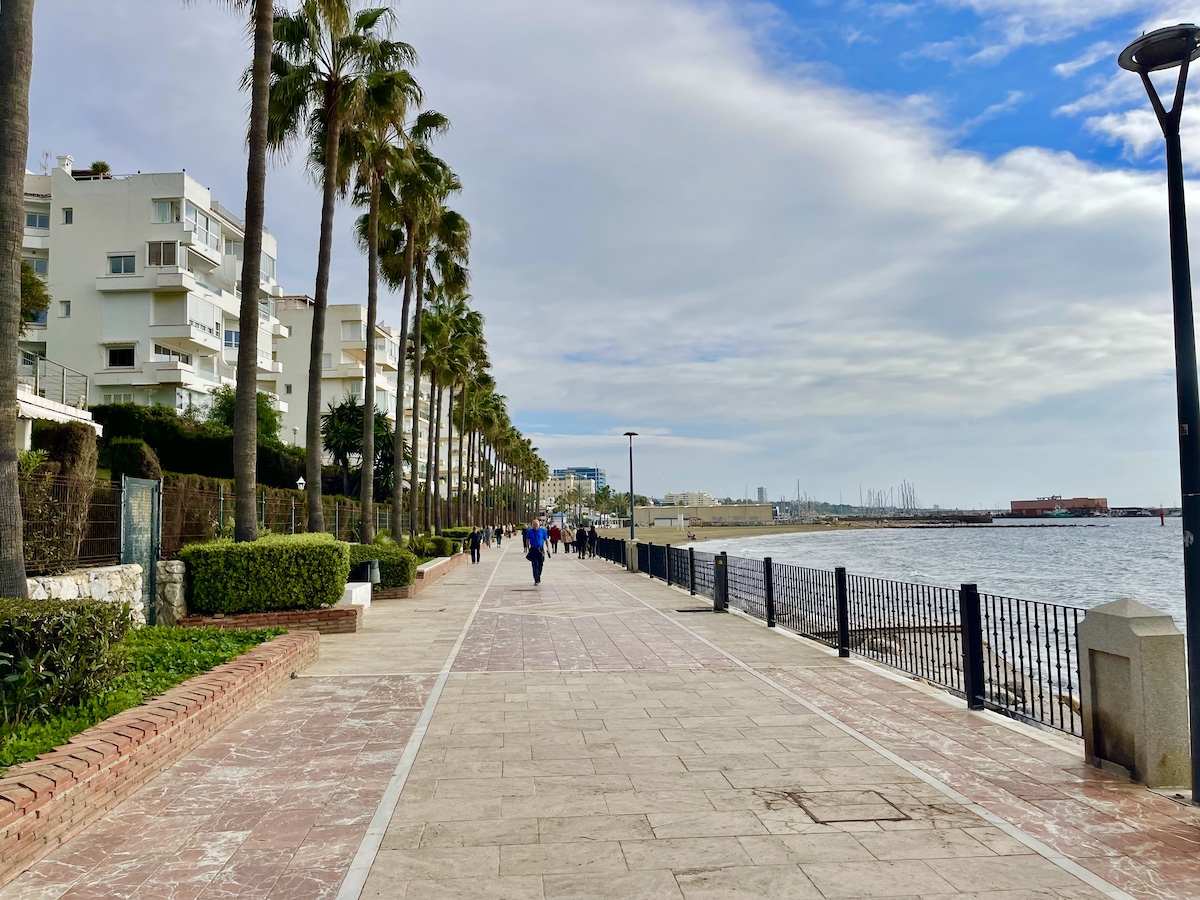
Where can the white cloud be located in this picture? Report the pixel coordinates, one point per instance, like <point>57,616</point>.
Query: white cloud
<point>1103,50</point>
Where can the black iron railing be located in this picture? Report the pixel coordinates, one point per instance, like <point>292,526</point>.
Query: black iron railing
<point>1017,657</point>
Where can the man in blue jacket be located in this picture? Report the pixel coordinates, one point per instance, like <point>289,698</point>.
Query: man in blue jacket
<point>535,542</point>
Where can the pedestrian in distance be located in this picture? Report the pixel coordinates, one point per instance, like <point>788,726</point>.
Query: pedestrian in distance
<point>593,538</point>
<point>536,538</point>
<point>555,537</point>
<point>476,541</point>
<point>568,537</point>
<point>487,535</point>
<point>499,536</point>
<point>581,541</point>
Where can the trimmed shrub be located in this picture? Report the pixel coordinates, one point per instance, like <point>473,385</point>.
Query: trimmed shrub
<point>397,567</point>
<point>439,546</point>
<point>457,534</point>
<point>56,654</point>
<point>274,573</point>
<point>70,444</point>
<point>133,458</point>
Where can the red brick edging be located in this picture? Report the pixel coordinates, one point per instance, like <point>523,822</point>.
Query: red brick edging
<point>46,801</point>
<point>423,580</point>
<point>334,620</point>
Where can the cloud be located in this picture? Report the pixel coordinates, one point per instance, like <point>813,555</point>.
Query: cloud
<point>787,277</point>
<point>1103,50</point>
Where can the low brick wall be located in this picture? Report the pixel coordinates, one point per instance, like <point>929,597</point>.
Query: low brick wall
<point>427,574</point>
<point>335,620</point>
<point>46,801</point>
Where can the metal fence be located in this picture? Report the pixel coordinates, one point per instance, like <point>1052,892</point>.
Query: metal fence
<point>1017,657</point>
<point>69,522</point>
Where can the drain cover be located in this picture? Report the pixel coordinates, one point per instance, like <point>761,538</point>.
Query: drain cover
<point>696,609</point>
<point>847,806</point>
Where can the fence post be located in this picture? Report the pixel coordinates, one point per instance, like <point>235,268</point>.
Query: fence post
<point>337,525</point>
<point>650,559</point>
<point>843,612</point>
<point>721,582</point>
<point>971,622</point>
<point>668,565</point>
<point>220,507</point>
<point>691,571</point>
<point>293,515</point>
<point>769,590</point>
<point>262,516</point>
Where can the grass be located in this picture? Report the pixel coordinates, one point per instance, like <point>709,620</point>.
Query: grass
<point>156,659</point>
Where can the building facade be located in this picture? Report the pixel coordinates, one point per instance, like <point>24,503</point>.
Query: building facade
<point>689,498</point>
<point>596,475</point>
<point>557,486</point>
<point>144,272</point>
<point>1087,506</point>
<point>723,514</point>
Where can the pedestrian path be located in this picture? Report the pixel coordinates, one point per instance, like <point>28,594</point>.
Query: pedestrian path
<point>587,738</point>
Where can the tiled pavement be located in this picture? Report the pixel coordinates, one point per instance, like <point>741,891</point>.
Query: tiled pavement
<point>583,739</point>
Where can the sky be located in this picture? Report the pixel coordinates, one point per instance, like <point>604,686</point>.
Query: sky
<point>819,247</point>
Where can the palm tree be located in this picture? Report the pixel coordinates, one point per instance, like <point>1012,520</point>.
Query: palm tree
<point>323,54</point>
<point>16,66</point>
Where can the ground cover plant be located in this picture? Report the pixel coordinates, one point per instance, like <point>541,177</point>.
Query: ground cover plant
<point>148,661</point>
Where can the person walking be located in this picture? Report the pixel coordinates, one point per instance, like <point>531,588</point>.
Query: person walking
<point>593,538</point>
<point>536,539</point>
<point>555,536</point>
<point>499,536</point>
<point>476,542</point>
<point>581,540</point>
<point>487,535</point>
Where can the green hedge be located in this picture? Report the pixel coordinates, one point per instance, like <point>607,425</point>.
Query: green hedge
<point>457,534</point>
<point>274,573</point>
<point>397,567</point>
<point>54,654</point>
<point>431,545</point>
<point>70,444</point>
<point>134,458</point>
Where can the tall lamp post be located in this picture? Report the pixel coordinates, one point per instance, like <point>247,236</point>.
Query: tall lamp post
<point>1168,48</point>
<point>631,435</point>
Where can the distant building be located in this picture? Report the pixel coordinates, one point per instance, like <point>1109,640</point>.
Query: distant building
<point>722,514</point>
<point>762,495</point>
<point>689,498</point>
<point>1047,505</point>
<point>597,476</point>
<point>557,486</point>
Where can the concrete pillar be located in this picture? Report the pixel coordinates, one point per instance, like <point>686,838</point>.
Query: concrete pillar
<point>631,562</point>
<point>1133,682</point>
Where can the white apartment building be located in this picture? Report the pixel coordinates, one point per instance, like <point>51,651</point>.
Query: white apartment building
<point>689,498</point>
<point>557,486</point>
<point>144,273</point>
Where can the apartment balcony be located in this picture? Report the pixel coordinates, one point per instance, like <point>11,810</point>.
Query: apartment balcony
<point>197,244</point>
<point>152,374</point>
<point>36,239</point>
<point>265,363</point>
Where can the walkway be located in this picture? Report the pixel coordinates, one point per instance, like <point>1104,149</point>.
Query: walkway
<point>587,738</point>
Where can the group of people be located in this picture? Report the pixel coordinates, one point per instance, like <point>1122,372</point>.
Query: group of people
<point>479,537</point>
<point>581,540</point>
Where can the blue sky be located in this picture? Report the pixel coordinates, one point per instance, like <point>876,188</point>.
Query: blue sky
<point>833,243</point>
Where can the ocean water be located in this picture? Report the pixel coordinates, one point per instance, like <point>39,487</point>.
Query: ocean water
<point>1081,562</point>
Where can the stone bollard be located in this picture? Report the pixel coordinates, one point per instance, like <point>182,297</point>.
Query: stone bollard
<point>1133,682</point>
<point>631,560</point>
<point>169,580</point>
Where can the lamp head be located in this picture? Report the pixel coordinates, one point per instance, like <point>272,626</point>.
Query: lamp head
<point>631,434</point>
<point>1163,48</point>
<point>300,483</point>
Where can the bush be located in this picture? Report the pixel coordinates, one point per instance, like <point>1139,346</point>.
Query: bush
<point>55,654</point>
<point>397,567</point>
<point>274,573</point>
<point>70,444</point>
<point>439,546</point>
<point>133,458</point>
<point>457,534</point>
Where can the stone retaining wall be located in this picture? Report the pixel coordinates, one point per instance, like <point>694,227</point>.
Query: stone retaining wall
<point>114,584</point>
<point>46,801</point>
<point>335,620</point>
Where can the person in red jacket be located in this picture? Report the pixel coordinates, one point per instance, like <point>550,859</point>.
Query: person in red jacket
<point>555,536</point>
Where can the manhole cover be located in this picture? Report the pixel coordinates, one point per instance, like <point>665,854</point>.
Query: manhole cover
<point>847,806</point>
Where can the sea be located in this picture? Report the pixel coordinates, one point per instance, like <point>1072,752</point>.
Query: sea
<point>1078,562</point>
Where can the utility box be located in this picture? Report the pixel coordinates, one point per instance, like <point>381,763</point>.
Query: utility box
<point>1133,682</point>
<point>631,556</point>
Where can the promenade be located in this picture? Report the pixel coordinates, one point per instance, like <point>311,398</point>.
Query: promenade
<point>589,738</point>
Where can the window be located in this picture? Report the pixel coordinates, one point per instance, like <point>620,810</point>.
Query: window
<point>381,400</point>
<point>41,267</point>
<point>205,227</point>
<point>162,253</point>
<point>355,391</point>
<point>287,388</point>
<point>120,357</point>
<point>267,272</point>
<point>166,211</point>
<point>64,309</point>
<point>234,248</point>
<point>120,264</point>
<point>167,354</point>
<point>68,215</point>
<point>39,318</point>
<point>233,339</point>
<point>37,220</point>
<point>352,331</point>
<point>118,398</point>
<point>326,360</point>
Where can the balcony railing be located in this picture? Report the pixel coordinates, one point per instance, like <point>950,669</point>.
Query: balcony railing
<point>52,380</point>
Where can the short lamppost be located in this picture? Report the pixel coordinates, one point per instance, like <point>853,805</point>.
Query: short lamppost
<point>631,435</point>
<point>1168,48</point>
<point>300,483</point>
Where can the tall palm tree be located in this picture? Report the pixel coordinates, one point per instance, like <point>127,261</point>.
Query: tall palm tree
<point>245,416</point>
<point>16,66</point>
<point>324,51</point>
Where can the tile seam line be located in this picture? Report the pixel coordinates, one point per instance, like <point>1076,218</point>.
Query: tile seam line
<point>364,858</point>
<point>1091,879</point>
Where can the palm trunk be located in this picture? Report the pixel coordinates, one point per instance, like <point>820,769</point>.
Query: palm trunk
<point>431,451</point>
<point>418,274</point>
<point>398,449</point>
<point>366,491</point>
<point>16,66</point>
<point>245,416</point>
<point>312,431</point>
<point>462,428</point>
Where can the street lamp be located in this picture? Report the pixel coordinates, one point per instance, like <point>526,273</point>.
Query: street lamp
<point>300,483</point>
<point>631,435</point>
<point>1167,48</point>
